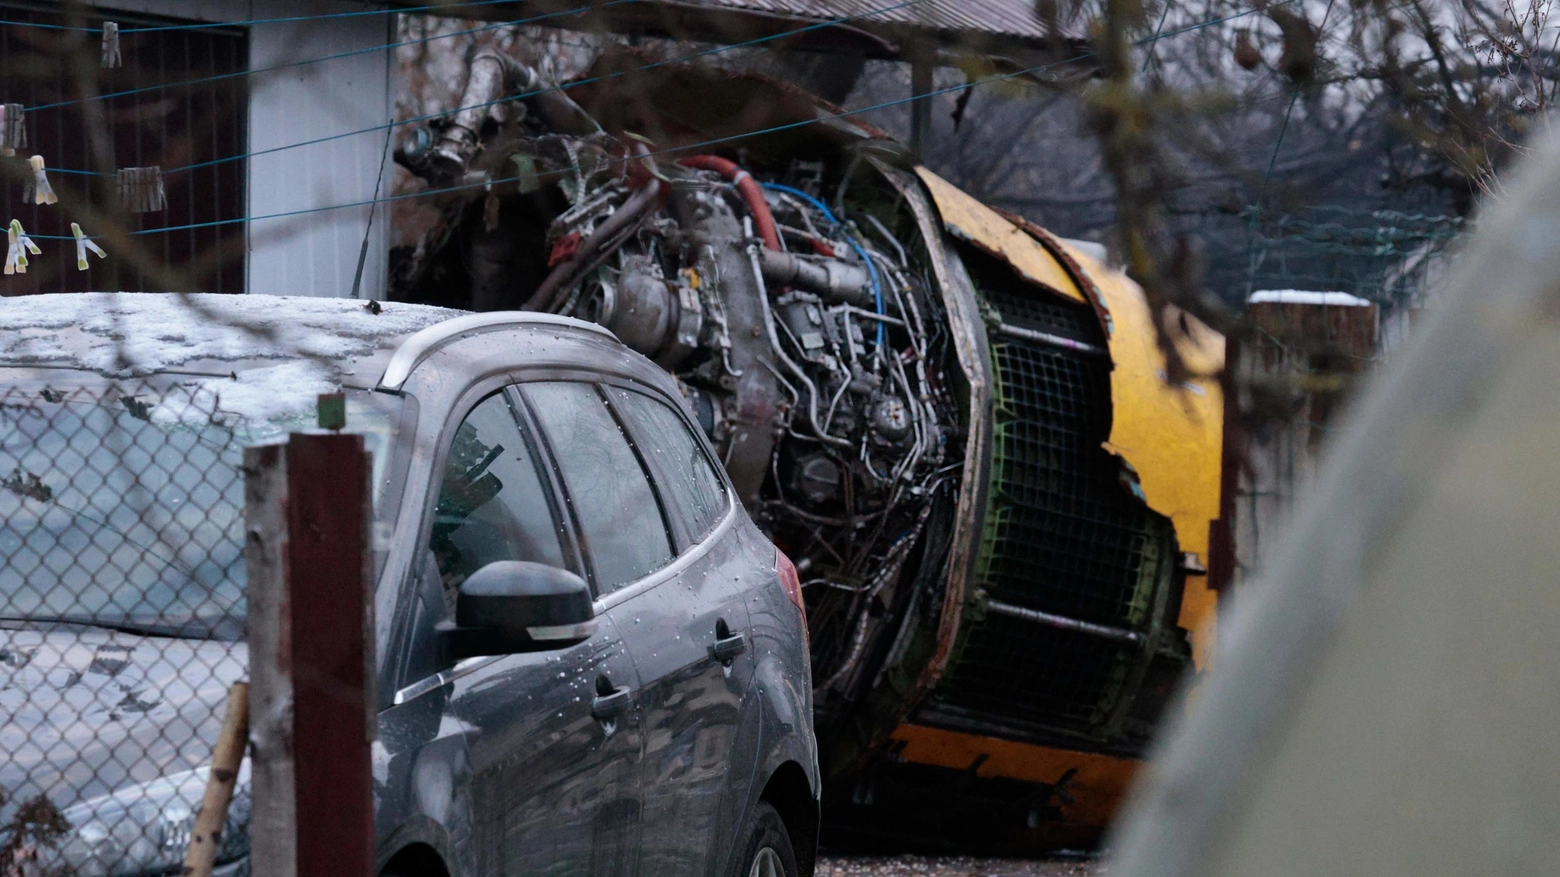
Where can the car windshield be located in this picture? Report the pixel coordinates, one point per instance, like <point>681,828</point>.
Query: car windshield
<point>123,506</point>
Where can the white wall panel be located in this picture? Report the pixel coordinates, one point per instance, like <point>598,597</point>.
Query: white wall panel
<point>312,253</point>
<point>317,253</point>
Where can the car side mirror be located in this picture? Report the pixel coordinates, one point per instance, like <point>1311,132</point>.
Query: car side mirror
<point>513,606</point>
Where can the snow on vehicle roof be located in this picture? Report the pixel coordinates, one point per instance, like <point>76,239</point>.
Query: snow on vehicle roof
<point>1306,297</point>
<point>255,396</point>
<point>129,334</point>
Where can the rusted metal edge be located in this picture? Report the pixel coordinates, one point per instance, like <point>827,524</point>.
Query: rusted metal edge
<point>996,253</point>
<point>970,343</point>
<point>1070,265</point>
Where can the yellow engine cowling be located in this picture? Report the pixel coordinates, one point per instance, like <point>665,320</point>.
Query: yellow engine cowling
<point>1168,442</point>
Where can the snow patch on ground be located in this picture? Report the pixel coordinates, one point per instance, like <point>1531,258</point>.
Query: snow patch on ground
<point>125,334</point>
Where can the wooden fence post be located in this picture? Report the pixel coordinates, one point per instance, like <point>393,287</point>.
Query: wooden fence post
<point>311,656</point>
<point>272,836</point>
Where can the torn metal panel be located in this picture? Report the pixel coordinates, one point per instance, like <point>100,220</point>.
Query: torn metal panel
<point>1152,479</point>
<point>986,229</point>
<point>915,664</point>
<point>629,89</point>
<point>1172,435</point>
<point>970,341</point>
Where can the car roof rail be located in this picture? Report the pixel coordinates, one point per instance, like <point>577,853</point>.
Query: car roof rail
<point>420,346</point>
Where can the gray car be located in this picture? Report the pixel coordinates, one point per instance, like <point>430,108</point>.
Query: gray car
<point>671,735</point>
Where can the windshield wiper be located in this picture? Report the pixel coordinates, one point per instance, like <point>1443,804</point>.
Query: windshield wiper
<point>166,631</point>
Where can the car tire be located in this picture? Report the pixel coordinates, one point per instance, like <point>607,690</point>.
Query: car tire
<point>766,850</point>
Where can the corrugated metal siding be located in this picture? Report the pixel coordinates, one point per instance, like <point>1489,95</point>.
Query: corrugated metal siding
<point>1007,18</point>
<point>997,17</point>
<point>317,253</point>
<point>994,27</point>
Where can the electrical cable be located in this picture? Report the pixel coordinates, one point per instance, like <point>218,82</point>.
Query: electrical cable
<point>498,101</point>
<point>877,286</point>
<point>578,10</point>
<point>715,141</point>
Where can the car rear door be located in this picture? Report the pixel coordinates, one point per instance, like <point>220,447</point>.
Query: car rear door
<point>688,633</point>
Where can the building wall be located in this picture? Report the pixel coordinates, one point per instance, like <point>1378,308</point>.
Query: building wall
<point>312,253</point>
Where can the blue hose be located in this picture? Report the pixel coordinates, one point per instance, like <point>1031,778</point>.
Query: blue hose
<point>877,286</point>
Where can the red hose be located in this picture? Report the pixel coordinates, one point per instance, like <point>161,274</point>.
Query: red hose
<point>751,193</point>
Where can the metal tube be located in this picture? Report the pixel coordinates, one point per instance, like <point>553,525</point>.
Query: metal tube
<point>1063,623</point>
<point>871,315</point>
<point>1047,338</point>
<point>774,340</point>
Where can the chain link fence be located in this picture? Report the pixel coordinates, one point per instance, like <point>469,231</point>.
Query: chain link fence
<point>1383,256</point>
<point>121,622</point>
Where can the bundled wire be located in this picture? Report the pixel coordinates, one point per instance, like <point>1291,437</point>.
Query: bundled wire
<point>872,272</point>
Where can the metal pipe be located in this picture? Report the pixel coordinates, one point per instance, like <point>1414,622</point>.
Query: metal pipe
<point>774,340</point>
<point>491,78</point>
<point>1047,338</point>
<point>904,260</point>
<point>829,277</point>
<point>1061,622</point>
<point>870,315</point>
<point>485,83</point>
<point>747,186</point>
<point>640,202</point>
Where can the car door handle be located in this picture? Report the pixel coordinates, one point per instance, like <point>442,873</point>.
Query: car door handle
<point>727,648</point>
<point>605,706</point>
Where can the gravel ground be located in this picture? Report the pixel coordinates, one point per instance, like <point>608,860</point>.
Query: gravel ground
<point>954,866</point>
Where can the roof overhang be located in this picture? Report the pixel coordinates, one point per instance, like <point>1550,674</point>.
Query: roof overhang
<point>889,32</point>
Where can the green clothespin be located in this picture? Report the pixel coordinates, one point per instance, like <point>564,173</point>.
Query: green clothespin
<point>83,244</point>
<point>18,245</point>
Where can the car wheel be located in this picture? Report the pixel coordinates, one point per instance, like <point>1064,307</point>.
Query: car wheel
<point>767,850</point>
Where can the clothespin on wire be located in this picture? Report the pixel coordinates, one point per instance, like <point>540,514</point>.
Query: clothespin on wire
<point>83,244</point>
<point>111,45</point>
<point>38,189</point>
<point>13,128</point>
<point>18,245</point>
<point>141,189</point>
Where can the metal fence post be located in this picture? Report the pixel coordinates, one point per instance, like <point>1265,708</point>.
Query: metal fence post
<point>312,701</point>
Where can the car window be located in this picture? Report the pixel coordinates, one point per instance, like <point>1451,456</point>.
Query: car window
<point>123,503</point>
<point>492,503</point>
<point>608,487</point>
<point>688,479</point>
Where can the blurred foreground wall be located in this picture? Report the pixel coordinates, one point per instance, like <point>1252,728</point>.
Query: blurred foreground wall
<point>1385,702</point>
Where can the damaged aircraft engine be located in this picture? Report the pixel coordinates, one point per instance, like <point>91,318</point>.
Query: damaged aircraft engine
<point>912,395</point>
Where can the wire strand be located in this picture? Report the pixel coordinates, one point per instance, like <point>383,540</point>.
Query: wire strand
<point>387,47</point>
<point>249,22</point>
<point>1001,77</point>
<point>524,95</point>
